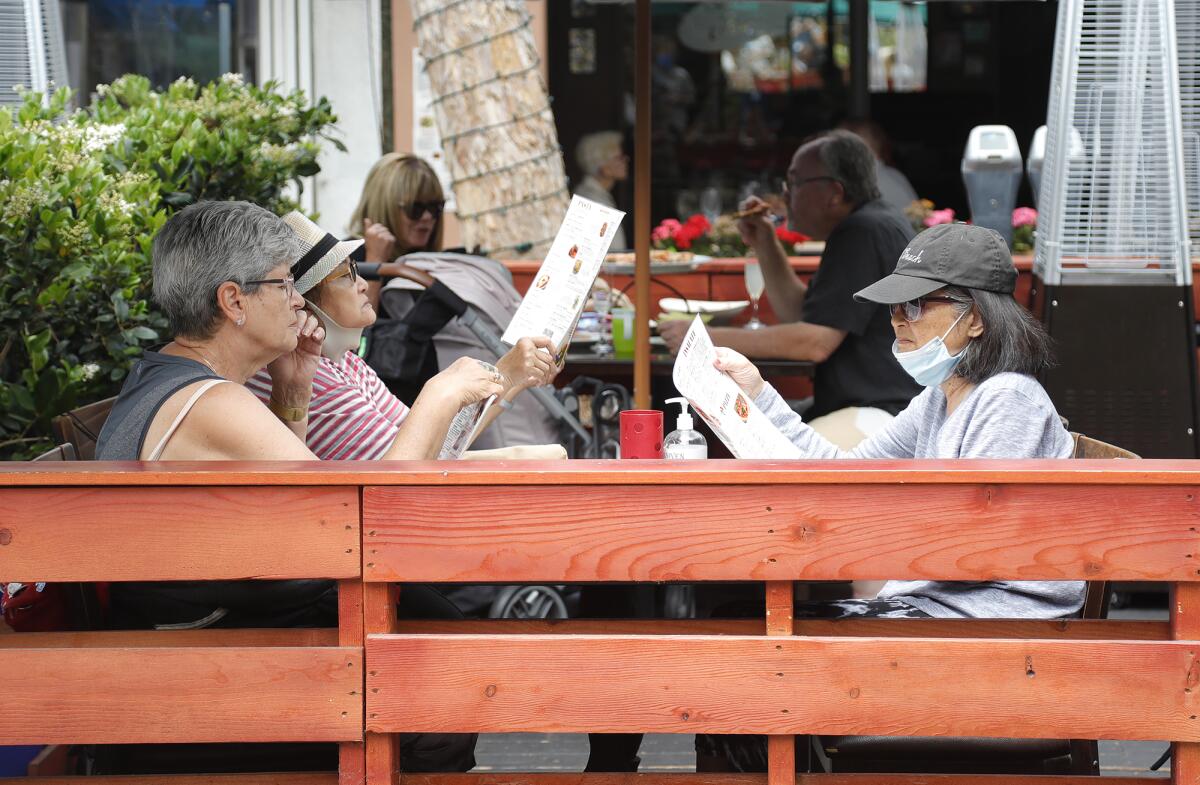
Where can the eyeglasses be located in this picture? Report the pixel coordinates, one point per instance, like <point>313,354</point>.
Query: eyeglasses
<point>351,269</point>
<point>288,284</point>
<point>414,210</point>
<point>789,184</point>
<point>912,311</point>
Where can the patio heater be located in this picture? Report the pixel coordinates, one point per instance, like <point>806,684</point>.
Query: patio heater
<point>1112,264</point>
<point>991,171</point>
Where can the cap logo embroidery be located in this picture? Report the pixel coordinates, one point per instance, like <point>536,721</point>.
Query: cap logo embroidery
<point>907,257</point>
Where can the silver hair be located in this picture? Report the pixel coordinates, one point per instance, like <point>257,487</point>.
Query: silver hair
<point>1012,340</point>
<point>206,244</point>
<point>594,150</point>
<point>847,159</point>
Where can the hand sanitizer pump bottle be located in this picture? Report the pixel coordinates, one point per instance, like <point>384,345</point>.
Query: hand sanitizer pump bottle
<point>683,442</point>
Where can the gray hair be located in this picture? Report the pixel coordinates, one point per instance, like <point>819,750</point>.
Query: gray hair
<point>848,160</point>
<point>1012,340</point>
<point>595,149</point>
<point>206,244</point>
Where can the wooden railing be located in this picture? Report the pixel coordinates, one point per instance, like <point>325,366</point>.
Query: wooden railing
<point>613,522</point>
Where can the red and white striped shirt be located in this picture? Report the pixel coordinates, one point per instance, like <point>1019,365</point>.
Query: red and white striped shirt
<point>352,416</point>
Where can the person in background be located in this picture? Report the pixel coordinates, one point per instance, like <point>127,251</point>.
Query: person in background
<point>831,195</point>
<point>604,164</point>
<point>961,336</point>
<point>894,187</point>
<point>400,215</point>
<point>352,415</point>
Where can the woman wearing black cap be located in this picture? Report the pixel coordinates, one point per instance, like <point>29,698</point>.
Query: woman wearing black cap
<point>963,337</point>
<point>976,351</point>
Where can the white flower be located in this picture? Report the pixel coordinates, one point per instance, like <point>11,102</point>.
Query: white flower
<point>234,79</point>
<point>98,137</point>
<point>90,370</point>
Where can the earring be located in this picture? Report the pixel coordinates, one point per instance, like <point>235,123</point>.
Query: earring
<point>241,320</point>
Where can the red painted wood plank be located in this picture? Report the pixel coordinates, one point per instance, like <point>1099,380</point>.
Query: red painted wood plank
<point>543,473</point>
<point>352,762</point>
<point>1065,629</point>
<point>381,750</point>
<point>152,695</point>
<point>1185,625</point>
<point>136,534</point>
<point>725,684</point>
<point>966,533</point>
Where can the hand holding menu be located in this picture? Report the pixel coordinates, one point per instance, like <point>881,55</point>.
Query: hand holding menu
<point>561,287</point>
<point>719,401</point>
<point>464,428</point>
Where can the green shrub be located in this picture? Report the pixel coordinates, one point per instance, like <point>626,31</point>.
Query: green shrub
<point>81,196</point>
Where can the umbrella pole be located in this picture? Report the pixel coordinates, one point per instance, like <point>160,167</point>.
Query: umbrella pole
<point>641,208</point>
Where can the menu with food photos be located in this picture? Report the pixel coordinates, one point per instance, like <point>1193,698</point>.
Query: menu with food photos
<point>464,428</point>
<point>564,281</point>
<point>718,400</point>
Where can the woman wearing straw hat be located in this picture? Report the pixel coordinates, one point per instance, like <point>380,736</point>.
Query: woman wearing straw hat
<point>352,414</point>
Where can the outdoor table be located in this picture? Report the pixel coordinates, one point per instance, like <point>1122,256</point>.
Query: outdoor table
<point>586,363</point>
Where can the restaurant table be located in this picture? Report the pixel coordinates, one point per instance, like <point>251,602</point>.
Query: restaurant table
<point>586,363</point>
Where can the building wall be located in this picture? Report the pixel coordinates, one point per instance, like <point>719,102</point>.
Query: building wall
<point>330,48</point>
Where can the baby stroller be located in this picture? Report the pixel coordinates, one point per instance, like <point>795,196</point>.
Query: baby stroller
<point>402,350</point>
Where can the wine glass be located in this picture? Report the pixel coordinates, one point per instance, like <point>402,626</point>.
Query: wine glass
<point>602,302</point>
<point>710,203</point>
<point>754,288</point>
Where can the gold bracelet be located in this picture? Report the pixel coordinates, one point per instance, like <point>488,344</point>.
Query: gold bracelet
<point>288,413</point>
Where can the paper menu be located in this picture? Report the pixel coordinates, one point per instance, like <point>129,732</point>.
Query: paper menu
<point>463,429</point>
<point>556,297</point>
<point>719,401</point>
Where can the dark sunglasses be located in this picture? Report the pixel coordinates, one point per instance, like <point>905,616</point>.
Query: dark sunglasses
<point>415,210</point>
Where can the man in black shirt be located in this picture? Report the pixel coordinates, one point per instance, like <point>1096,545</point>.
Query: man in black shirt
<point>832,195</point>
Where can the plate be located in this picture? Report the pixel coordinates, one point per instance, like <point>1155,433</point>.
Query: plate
<point>584,337</point>
<point>714,308</point>
<point>656,268</point>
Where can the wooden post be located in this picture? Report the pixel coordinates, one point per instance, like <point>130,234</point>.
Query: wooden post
<point>641,208</point>
<point>1185,625</point>
<point>351,755</point>
<point>380,602</point>
<point>781,750</point>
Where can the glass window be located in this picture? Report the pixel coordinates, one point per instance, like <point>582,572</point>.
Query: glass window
<point>159,39</point>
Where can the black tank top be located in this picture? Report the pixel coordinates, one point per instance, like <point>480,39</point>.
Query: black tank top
<point>152,380</point>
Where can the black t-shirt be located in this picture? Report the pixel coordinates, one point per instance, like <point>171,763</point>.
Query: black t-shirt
<point>862,372</point>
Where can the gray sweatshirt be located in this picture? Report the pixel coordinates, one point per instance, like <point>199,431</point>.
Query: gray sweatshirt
<point>1006,416</point>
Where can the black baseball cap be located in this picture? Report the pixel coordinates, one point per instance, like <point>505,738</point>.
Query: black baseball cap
<point>947,255</point>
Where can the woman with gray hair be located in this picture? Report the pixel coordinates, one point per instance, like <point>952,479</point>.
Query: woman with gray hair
<point>976,351</point>
<point>604,164</point>
<point>222,278</point>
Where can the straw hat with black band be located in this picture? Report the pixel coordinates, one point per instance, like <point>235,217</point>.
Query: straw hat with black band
<point>322,254</point>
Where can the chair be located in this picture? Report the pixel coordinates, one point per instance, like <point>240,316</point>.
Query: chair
<point>940,755</point>
<point>81,427</point>
<point>63,452</point>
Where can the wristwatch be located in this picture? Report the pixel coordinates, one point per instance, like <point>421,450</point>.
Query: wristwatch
<point>288,413</point>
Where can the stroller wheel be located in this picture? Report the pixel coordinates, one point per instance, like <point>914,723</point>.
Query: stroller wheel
<point>529,602</point>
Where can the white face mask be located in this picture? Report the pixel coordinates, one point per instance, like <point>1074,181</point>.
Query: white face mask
<point>338,339</point>
<point>931,364</point>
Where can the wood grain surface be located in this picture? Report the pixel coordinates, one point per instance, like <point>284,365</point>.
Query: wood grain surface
<point>605,472</point>
<point>821,532</point>
<point>728,684</point>
<point>153,695</point>
<point>148,534</point>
